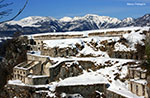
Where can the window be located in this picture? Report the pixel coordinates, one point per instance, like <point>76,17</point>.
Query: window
<point>131,86</point>
<point>67,52</point>
<point>56,51</point>
<point>47,81</point>
<point>137,89</point>
<point>143,87</point>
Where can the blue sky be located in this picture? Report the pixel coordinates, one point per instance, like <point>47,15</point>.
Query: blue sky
<point>60,8</point>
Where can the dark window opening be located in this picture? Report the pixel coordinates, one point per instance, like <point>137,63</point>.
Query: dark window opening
<point>143,86</point>
<point>67,52</point>
<point>47,82</point>
<point>137,89</point>
<point>56,51</point>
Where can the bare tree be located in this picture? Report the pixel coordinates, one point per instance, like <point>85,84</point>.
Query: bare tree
<point>7,12</point>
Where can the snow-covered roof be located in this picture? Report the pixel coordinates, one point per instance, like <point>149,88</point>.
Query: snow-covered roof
<point>27,65</point>
<point>138,69</point>
<point>120,47</point>
<point>85,79</point>
<point>61,43</point>
<point>125,93</point>
<point>96,60</point>
<point>38,76</point>
<point>139,81</point>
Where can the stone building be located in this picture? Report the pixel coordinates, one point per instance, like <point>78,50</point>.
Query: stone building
<point>85,90</point>
<point>35,44</point>
<point>113,94</point>
<point>33,71</point>
<point>138,81</point>
<point>37,79</point>
<point>39,69</point>
<point>59,52</point>
<point>54,36</point>
<point>124,54</point>
<point>24,69</point>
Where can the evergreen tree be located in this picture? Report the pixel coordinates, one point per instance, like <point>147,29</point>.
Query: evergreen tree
<point>15,51</point>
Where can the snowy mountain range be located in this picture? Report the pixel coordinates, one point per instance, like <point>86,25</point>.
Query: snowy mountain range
<point>38,24</point>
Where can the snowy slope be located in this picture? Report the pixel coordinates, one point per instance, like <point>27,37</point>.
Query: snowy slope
<point>110,71</point>
<point>31,21</point>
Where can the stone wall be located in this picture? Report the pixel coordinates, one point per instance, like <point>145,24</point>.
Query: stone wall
<point>36,69</point>
<point>109,34</point>
<point>62,70</point>
<point>37,80</point>
<point>138,74</point>
<point>85,90</point>
<point>148,85</point>
<point>59,52</point>
<point>45,68</point>
<point>35,48</point>
<point>138,89</point>
<point>59,36</point>
<point>20,74</point>
<point>31,57</point>
<point>18,91</point>
<point>124,55</point>
<point>111,94</point>
<point>54,71</point>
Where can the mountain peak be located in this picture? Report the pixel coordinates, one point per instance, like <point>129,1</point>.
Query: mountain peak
<point>146,16</point>
<point>65,19</point>
<point>29,21</point>
<point>35,18</point>
<point>91,15</point>
<point>128,20</point>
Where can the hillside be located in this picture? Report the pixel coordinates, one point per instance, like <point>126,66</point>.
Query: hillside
<point>80,64</point>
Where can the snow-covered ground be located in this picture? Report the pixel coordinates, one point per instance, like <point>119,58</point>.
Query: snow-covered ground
<point>134,37</point>
<point>4,38</point>
<point>104,75</point>
<point>85,33</point>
